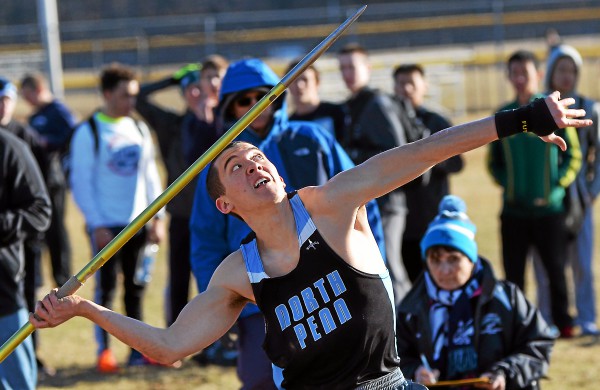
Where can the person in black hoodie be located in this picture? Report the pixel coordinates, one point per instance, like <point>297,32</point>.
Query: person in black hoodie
<point>308,106</point>
<point>424,193</point>
<point>32,245</point>
<point>375,127</point>
<point>24,210</point>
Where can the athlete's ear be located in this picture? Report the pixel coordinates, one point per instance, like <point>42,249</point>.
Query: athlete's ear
<point>223,205</point>
<point>281,178</point>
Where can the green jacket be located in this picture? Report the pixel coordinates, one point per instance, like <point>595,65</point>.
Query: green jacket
<point>533,173</point>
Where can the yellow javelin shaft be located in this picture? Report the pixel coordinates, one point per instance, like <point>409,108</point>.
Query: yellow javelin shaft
<point>75,282</point>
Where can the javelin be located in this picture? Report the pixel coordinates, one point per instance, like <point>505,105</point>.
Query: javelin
<point>75,282</point>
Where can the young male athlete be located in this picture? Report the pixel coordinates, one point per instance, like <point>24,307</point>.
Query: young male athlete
<point>312,265</point>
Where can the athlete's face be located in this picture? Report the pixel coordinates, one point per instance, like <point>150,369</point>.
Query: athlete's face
<point>449,268</point>
<point>248,178</point>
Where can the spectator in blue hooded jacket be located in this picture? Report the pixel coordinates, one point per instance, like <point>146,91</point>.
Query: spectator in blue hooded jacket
<point>304,154</point>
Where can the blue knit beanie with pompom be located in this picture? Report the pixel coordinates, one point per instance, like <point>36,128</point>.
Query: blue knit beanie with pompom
<point>451,227</point>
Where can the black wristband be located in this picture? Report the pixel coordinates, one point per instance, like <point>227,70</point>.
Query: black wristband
<point>534,118</point>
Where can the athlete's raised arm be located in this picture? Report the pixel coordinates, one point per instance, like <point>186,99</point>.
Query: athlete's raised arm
<point>395,167</point>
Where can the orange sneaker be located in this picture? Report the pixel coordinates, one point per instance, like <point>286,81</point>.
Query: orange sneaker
<point>107,364</point>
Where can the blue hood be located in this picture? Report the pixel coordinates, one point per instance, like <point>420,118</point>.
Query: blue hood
<point>247,74</point>
<point>242,76</point>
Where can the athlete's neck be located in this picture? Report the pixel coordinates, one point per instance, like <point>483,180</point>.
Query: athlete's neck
<point>275,227</point>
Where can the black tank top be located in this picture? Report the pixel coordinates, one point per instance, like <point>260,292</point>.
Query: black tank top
<point>328,325</point>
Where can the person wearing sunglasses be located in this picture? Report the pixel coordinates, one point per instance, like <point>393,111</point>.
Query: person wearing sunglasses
<point>305,155</point>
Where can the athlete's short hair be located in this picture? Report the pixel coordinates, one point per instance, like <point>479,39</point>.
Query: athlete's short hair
<point>214,185</point>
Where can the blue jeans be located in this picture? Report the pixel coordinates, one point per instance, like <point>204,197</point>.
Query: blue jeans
<point>580,255</point>
<point>19,370</point>
<point>583,273</point>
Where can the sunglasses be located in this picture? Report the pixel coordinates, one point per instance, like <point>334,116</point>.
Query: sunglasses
<point>247,100</point>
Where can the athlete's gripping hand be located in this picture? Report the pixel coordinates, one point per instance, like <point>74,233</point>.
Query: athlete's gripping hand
<point>52,311</point>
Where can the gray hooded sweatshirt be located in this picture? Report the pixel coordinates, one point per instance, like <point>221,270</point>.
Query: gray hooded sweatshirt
<point>588,179</point>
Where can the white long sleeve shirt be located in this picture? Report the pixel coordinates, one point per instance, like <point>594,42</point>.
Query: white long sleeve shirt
<point>113,183</point>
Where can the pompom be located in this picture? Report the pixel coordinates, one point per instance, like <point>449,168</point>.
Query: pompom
<point>452,204</point>
<point>451,227</point>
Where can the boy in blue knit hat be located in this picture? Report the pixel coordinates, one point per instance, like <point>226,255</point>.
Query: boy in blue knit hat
<point>452,228</point>
<point>468,326</point>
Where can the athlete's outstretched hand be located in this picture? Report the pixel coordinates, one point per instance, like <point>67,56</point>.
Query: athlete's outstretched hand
<point>564,117</point>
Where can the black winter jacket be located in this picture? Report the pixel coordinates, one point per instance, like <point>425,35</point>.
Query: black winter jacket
<point>521,350</point>
<point>24,210</point>
<point>375,127</point>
